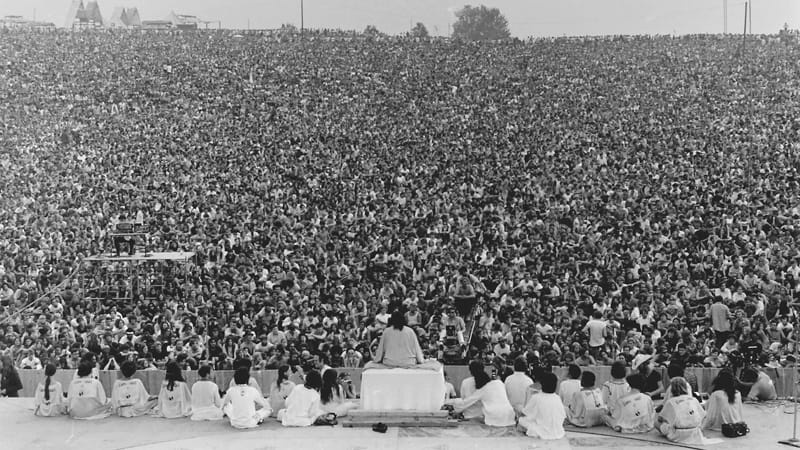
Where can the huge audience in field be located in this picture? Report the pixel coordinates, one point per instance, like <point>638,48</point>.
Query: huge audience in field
<point>570,200</point>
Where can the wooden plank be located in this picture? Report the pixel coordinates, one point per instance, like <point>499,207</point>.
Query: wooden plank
<point>381,414</point>
<point>421,423</point>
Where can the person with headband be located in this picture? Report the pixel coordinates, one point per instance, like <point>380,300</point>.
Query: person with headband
<point>49,398</point>
<point>129,397</point>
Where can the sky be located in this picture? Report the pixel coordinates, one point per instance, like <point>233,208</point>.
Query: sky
<point>526,17</point>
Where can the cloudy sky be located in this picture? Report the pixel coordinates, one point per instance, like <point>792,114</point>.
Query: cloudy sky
<point>526,17</point>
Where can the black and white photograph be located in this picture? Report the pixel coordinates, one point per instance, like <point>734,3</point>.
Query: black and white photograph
<point>399,224</point>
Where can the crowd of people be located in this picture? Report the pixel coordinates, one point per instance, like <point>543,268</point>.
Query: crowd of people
<point>573,201</point>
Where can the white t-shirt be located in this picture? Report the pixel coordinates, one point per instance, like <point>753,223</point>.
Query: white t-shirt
<point>243,400</point>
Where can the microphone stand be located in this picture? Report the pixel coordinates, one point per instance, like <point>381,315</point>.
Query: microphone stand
<point>794,441</point>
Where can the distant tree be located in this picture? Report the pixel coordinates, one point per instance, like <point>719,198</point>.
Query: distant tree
<point>479,23</point>
<point>419,31</point>
<point>372,31</point>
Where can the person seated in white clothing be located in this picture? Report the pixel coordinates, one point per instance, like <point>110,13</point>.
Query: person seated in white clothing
<point>762,388</point>
<point>587,408</point>
<point>682,416</point>
<point>725,403</point>
<point>568,388</point>
<point>252,382</point>
<point>86,396</point>
<point>280,389</point>
<point>129,397</point>
<point>449,389</point>
<point>241,400</point>
<point>174,399</point>
<point>617,387</point>
<point>517,385</point>
<point>303,405</point>
<point>332,395</point>
<point>206,403</point>
<point>49,397</point>
<point>543,416</point>
<point>633,412</point>
<point>497,410</point>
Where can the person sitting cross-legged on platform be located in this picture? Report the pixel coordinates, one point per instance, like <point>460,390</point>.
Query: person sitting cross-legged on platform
<point>174,399</point>
<point>681,419</point>
<point>129,397</point>
<point>206,403</point>
<point>240,402</point>
<point>517,384</point>
<point>497,410</point>
<point>568,388</point>
<point>49,399</point>
<point>543,416</point>
<point>587,408</point>
<point>633,412</point>
<point>332,395</point>
<point>303,405</point>
<point>617,387</point>
<point>86,396</point>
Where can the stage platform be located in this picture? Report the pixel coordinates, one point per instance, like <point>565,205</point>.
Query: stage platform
<point>155,256</point>
<point>20,429</point>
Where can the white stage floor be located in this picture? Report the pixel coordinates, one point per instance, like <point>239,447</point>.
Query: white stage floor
<point>19,429</point>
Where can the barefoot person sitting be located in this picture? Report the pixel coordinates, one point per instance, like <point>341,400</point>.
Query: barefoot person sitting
<point>49,401</point>
<point>543,416</point>
<point>399,348</point>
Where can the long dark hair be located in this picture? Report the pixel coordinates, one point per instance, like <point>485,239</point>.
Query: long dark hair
<point>330,385</point>
<point>313,380</point>
<point>173,374</point>
<point>725,382</point>
<point>477,370</point>
<point>283,375</point>
<point>397,320</point>
<point>49,371</point>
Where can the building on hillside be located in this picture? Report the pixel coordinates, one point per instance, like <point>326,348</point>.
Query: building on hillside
<point>20,23</point>
<point>184,21</point>
<point>82,16</point>
<point>156,25</point>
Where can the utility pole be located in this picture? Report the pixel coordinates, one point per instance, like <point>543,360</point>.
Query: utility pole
<point>750,11</point>
<point>744,32</point>
<point>302,18</point>
<point>725,15</point>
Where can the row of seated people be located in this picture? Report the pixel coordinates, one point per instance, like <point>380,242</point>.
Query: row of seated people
<point>318,401</point>
<point>624,404</point>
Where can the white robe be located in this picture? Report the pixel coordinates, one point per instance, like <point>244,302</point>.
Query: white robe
<point>517,390</point>
<point>277,395</point>
<point>303,406</point>
<point>633,413</point>
<point>251,382</point>
<point>55,406</point>
<point>87,399</point>
<point>468,388</point>
<point>129,398</point>
<point>175,403</point>
<point>719,411</point>
<point>543,417</point>
<point>587,408</point>
<point>567,390</point>
<point>680,421</point>
<point>497,410</point>
<point>240,403</point>
<point>206,403</point>
<point>613,391</point>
